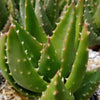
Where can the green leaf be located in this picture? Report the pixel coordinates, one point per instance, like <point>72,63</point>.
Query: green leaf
<point>79,21</point>
<point>61,31</point>
<point>49,63</point>
<point>25,75</point>
<point>5,69</point>
<point>89,85</point>
<point>56,90</point>
<point>42,18</point>
<point>79,66</point>
<point>29,43</point>
<point>32,25</point>
<point>69,49</point>
<point>3,14</point>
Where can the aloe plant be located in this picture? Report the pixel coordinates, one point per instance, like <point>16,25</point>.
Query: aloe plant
<point>92,11</point>
<point>3,16</point>
<point>51,10</point>
<point>49,67</point>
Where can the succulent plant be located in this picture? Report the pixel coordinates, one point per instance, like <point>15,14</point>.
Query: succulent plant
<point>3,16</point>
<point>92,12</point>
<point>49,68</point>
<point>50,11</point>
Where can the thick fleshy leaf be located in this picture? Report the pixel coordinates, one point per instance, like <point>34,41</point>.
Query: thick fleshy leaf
<point>61,31</point>
<point>69,49</point>
<point>5,69</point>
<point>79,66</point>
<point>30,45</point>
<point>32,25</point>
<point>3,14</point>
<point>51,10</point>
<point>25,75</point>
<point>89,85</point>
<point>22,12</point>
<point>96,17</point>
<point>56,90</point>
<point>94,39</point>
<point>49,63</point>
<point>79,21</point>
<point>42,18</point>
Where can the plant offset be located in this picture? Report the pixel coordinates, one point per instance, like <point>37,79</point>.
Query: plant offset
<point>49,67</point>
